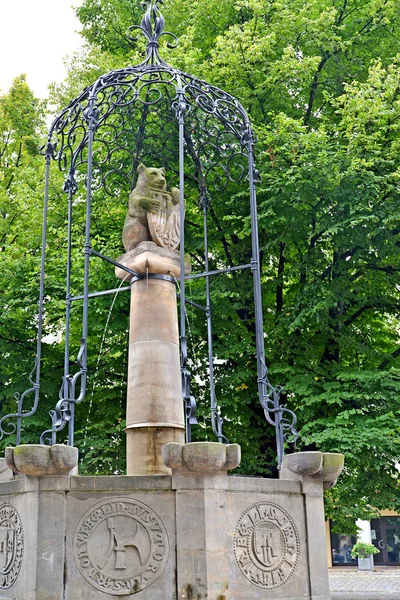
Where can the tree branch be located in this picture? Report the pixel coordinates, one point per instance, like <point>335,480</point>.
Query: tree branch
<point>223,238</point>
<point>359,312</point>
<point>387,360</point>
<point>281,268</point>
<point>314,87</point>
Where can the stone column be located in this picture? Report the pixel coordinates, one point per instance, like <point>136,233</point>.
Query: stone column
<point>154,414</point>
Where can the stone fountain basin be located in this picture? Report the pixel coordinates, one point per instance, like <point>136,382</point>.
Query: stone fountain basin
<point>38,460</point>
<point>202,457</point>
<point>313,466</point>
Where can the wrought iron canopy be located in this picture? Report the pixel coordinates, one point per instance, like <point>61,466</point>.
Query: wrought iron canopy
<point>202,135</point>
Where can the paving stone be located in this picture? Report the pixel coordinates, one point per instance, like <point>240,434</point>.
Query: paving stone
<point>357,585</point>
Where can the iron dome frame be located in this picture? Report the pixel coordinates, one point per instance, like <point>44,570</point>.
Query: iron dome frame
<point>91,139</point>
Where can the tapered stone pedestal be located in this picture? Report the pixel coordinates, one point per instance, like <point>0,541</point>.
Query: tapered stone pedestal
<point>154,415</point>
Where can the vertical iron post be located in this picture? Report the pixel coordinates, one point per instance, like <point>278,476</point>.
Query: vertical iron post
<point>70,188</point>
<point>181,109</point>
<point>36,385</point>
<point>91,117</point>
<point>261,365</point>
<point>216,420</point>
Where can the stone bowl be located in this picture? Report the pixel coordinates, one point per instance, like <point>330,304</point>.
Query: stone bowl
<point>201,457</point>
<point>313,466</point>
<point>304,463</point>
<point>38,460</point>
<point>332,466</point>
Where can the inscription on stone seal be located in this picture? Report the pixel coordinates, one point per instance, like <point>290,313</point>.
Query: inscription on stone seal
<point>11,545</point>
<point>266,545</point>
<point>120,546</point>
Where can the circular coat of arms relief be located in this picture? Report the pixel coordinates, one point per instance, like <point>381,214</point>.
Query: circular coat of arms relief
<point>266,545</point>
<point>11,545</point>
<point>120,546</point>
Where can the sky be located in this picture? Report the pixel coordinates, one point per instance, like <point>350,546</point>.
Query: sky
<point>35,37</point>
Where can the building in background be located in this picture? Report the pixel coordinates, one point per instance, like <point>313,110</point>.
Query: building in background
<point>383,533</point>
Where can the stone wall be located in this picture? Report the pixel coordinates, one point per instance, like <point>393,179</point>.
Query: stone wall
<point>189,536</point>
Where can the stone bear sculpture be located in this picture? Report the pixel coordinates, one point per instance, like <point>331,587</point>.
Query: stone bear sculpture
<point>153,213</point>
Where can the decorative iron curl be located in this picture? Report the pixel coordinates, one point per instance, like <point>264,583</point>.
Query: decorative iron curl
<point>189,403</point>
<point>12,428</point>
<point>152,27</point>
<point>283,419</point>
<point>62,413</point>
<point>215,120</point>
<point>49,153</point>
<point>114,115</point>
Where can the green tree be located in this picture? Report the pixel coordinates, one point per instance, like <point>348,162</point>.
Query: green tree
<point>320,81</point>
<point>326,114</point>
<point>21,190</point>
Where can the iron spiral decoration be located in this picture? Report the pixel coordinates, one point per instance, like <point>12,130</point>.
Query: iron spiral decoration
<point>139,114</point>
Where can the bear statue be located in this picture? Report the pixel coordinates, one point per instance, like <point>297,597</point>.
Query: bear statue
<point>153,213</point>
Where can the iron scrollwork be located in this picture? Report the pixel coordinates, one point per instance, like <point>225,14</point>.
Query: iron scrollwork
<point>139,114</point>
<point>34,377</point>
<point>64,409</point>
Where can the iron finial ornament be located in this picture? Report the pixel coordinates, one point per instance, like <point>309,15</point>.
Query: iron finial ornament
<point>155,114</point>
<point>152,27</point>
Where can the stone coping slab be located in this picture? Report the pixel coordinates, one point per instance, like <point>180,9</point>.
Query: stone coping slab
<point>106,483</point>
<point>117,483</point>
<point>237,483</point>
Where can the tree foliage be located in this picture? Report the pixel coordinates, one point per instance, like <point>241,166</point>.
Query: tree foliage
<point>320,82</point>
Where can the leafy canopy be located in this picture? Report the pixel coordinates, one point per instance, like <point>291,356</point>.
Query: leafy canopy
<point>320,82</point>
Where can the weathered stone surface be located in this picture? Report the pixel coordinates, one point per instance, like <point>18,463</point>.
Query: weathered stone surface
<point>121,483</point>
<point>120,544</point>
<point>150,258</point>
<point>316,471</point>
<point>5,472</point>
<point>304,463</point>
<point>153,312</point>
<point>313,466</point>
<point>9,458</point>
<point>332,466</point>
<point>268,536</point>
<point>225,537</point>
<point>233,456</point>
<point>51,544</point>
<point>202,457</point>
<point>18,541</point>
<point>250,539</point>
<point>38,460</point>
<point>316,543</point>
<point>202,544</point>
<point>155,414</point>
<point>154,391</point>
<point>144,449</point>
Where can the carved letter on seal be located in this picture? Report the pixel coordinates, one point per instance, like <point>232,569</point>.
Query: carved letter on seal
<point>266,544</point>
<point>11,545</point>
<point>120,546</point>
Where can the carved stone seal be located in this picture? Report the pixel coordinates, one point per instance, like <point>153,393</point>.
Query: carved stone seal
<point>120,546</point>
<point>266,545</point>
<point>11,545</point>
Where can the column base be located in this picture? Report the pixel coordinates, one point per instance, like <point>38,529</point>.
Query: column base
<point>144,449</point>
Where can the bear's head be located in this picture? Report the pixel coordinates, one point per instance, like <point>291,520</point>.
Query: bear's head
<point>151,177</point>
